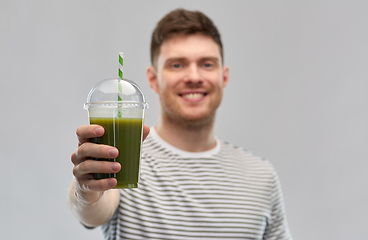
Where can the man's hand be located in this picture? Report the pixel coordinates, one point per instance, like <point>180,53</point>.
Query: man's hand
<point>87,189</point>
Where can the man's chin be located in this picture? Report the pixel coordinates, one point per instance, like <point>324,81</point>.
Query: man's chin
<point>196,121</point>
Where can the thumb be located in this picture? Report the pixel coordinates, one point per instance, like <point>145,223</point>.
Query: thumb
<point>146,131</point>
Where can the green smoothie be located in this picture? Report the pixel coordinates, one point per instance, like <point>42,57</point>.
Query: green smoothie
<point>125,135</point>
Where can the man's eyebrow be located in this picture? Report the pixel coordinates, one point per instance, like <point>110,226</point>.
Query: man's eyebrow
<point>215,59</point>
<point>173,59</point>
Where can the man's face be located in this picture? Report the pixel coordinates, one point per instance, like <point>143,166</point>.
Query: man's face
<point>189,79</point>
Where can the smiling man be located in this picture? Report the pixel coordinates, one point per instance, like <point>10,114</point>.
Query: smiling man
<point>189,78</point>
<point>193,185</point>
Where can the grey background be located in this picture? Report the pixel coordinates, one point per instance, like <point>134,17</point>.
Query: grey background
<point>296,96</point>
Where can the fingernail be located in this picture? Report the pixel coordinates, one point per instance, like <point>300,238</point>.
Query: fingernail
<point>99,131</point>
<point>111,182</point>
<point>115,166</point>
<point>113,152</point>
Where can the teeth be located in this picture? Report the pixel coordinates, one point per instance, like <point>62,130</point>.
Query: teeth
<point>193,95</point>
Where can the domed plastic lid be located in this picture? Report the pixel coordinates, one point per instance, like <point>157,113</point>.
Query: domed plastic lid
<point>116,92</point>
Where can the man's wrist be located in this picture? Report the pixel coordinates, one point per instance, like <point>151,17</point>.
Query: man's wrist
<point>93,197</point>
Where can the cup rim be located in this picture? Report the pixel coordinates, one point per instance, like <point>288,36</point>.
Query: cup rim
<point>120,104</point>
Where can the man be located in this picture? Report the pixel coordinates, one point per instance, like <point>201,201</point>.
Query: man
<point>193,186</point>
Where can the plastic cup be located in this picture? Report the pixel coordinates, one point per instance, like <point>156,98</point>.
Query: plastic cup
<point>123,123</point>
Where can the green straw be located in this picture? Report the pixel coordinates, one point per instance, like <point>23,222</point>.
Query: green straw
<point>121,77</point>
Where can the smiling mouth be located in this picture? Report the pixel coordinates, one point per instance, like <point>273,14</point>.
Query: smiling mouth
<point>193,95</point>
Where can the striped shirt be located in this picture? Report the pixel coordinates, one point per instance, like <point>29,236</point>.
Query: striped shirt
<point>223,193</point>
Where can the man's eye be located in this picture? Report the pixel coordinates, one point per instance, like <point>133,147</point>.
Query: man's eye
<point>207,65</point>
<point>176,65</point>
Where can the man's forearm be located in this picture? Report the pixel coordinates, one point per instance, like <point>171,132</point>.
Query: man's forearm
<point>96,213</point>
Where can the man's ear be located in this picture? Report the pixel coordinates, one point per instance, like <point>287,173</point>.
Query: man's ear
<point>225,76</point>
<point>152,78</point>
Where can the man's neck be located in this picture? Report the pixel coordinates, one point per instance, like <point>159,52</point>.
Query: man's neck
<point>186,138</point>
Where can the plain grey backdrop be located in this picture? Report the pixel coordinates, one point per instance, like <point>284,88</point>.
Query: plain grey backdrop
<point>297,96</point>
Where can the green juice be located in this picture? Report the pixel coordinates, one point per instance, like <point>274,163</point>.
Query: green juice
<point>124,134</point>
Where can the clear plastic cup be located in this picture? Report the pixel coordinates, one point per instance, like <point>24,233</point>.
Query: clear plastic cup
<point>118,106</point>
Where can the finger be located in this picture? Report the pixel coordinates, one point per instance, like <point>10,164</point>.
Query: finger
<point>92,150</point>
<point>97,185</point>
<point>86,132</point>
<point>146,131</point>
<point>85,168</point>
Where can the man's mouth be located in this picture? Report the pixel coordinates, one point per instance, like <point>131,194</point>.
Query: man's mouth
<point>193,95</point>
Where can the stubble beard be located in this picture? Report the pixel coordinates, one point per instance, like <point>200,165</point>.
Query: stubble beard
<point>172,115</point>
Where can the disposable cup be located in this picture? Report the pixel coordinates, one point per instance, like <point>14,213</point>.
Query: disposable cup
<point>123,123</point>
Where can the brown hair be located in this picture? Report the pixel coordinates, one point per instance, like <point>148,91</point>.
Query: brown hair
<point>184,22</point>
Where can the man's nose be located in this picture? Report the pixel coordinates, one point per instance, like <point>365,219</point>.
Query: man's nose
<point>193,74</point>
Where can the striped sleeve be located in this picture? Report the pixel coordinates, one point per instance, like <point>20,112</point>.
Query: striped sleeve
<point>277,227</point>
